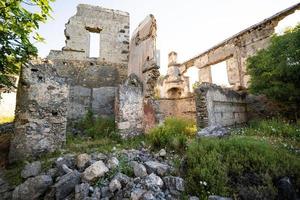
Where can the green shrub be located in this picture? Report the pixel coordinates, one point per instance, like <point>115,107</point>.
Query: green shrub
<point>172,134</point>
<point>238,165</point>
<point>97,127</point>
<point>272,128</point>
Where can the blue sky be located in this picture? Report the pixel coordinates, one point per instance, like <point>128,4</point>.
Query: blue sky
<point>188,27</point>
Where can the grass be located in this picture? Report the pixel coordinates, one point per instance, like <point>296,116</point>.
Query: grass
<point>6,119</point>
<point>173,134</point>
<point>239,163</point>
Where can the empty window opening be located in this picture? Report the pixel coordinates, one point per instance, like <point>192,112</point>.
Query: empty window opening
<point>174,93</point>
<point>287,23</point>
<point>219,74</point>
<point>94,45</point>
<point>193,74</point>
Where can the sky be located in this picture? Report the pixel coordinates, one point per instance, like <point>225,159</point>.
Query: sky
<point>188,27</point>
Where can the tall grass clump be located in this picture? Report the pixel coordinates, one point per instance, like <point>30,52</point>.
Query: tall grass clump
<point>97,127</point>
<point>239,167</point>
<point>172,134</point>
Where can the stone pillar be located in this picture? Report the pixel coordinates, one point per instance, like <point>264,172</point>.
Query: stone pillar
<point>41,112</point>
<point>129,107</point>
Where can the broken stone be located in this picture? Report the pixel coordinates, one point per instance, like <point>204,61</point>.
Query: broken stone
<point>153,180</point>
<point>81,191</point>
<point>66,184</point>
<point>215,197</point>
<point>31,169</point>
<point>82,160</point>
<point>32,188</point>
<point>115,185</point>
<point>156,167</point>
<point>213,131</point>
<point>162,153</point>
<point>137,194</point>
<point>96,170</point>
<point>112,163</point>
<point>139,170</point>
<point>174,183</point>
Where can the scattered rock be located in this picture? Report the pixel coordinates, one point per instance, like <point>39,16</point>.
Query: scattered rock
<point>82,160</point>
<point>122,178</point>
<point>162,153</point>
<point>215,197</point>
<point>153,180</point>
<point>98,156</point>
<point>112,163</point>
<point>149,196</point>
<point>94,171</point>
<point>68,160</point>
<point>139,170</point>
<point>81,191</point>
<point>5,189</point>
<point>213,131</point>
<point>66,169</point>
<point>66,184</point>
<point>174,183</point>
<point>31,169</point>
<point>137,194</point>
<point>96,194</point>
<point>115,185</point>
<point>156,167</point>
<point>193,198</point>
<point>32,188</point>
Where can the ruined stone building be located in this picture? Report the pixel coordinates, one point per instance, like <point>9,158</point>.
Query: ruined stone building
<point>120,82</point>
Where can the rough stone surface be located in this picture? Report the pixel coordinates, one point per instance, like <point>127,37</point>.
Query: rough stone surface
<point>213,131</point>
<point>112,163</point>
<point>143,60</point>
<point>82,160</point>
<point>137,194</point>
<point>66,185</point>
<point>174,183</point>
<point>139,170</point>
<point>94,171</point>
<point>115,185</point>
<point>32,188</point>
<point>215,197</point>
<point>153,180</point>
<point>219,106</point>
<point>81,191</point>
<point>157,167</point>
<point>31,169</point>
<point>41,114</point>
<point>129,107</point>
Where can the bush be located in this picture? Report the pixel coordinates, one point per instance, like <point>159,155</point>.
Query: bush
<point>275,71</point>
<point>97,127</point>
<point>272,128</point>
<point>238,166</point>
<point>172,134</point>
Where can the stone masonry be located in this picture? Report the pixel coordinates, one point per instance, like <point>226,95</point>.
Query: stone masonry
<point>129,107</point>
<point>41,113</point>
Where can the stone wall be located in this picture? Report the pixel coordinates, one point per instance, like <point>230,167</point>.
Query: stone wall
<point>41,112</point>
<point>142,59</point>
<point>157,110</point>
<point>129,107</point>
<point>236,49</point>
<point>219,106</point>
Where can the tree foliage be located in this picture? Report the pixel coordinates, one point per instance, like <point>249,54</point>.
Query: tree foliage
<point>19,19</point>
<point>275,71</point>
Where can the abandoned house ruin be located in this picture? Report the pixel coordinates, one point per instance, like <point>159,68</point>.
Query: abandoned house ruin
<point>121,81</point>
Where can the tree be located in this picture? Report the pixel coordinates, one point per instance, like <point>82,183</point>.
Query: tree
<point>275,71</point>
<point>17,23</point>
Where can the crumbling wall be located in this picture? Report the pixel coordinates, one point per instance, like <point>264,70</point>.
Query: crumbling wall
<point>142,58</point>
<point>41,112</point>
<point>129,107</point>
<point>236,49</point>
<point>93,81</point>
<point>219,106</point>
